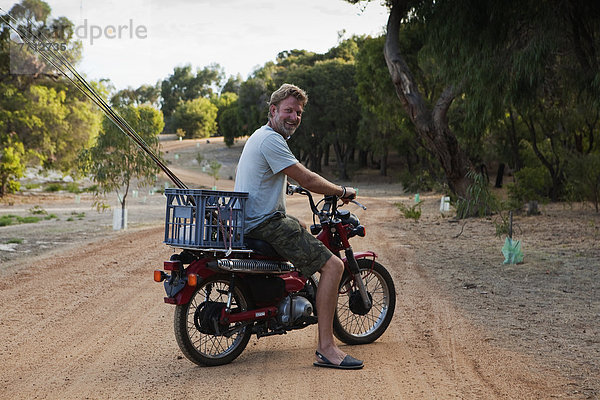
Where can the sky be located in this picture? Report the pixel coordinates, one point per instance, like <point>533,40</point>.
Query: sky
<point>135,42</point>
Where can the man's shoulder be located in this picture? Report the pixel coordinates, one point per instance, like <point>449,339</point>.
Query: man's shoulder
<point>264,132</point>
<point>265,135</point>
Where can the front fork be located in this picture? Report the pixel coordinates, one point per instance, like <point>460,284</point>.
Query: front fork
<point>355,271</point>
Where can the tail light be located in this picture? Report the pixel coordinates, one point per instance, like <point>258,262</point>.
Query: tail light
<point>172,265</point>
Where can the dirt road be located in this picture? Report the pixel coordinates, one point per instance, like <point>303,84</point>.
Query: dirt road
<point>90,323</point>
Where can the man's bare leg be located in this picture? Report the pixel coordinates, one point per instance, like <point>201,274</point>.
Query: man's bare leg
<point>327,294</point>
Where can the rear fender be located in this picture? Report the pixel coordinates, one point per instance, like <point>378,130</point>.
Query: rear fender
<point>199,268</point>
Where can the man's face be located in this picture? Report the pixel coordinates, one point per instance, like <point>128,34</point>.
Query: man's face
<point>285,118</point>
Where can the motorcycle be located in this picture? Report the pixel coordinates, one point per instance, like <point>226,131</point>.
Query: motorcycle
<point>234,286</point>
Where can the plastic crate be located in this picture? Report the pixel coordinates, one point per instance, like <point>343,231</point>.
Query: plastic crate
<point>205,219</point>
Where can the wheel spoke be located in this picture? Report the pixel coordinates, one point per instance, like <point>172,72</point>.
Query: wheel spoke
<point>207,344</point>
<point>362,325</point>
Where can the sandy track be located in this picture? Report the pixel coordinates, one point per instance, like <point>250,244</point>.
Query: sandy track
<point>91,323</point>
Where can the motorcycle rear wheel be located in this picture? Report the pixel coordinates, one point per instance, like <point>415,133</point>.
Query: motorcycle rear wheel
<point>210,349</point>
<point>352,323</point>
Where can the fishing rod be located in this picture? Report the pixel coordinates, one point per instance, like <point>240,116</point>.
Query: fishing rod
<point>40,44</point>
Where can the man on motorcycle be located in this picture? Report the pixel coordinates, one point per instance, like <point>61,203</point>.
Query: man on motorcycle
<point>263,168</point>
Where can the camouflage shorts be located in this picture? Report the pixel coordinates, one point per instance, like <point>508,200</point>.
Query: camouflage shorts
<point>294,243</point>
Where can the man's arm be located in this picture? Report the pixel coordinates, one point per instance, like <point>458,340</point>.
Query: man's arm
<point>315,182</point>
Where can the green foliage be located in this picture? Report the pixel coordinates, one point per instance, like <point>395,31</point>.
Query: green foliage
<point>585,178</point>
<point>145,94</point>
<point>12,163</point>
<point>531,183</point>
<point>6,220</point>
<point>228,117</point>
<point>10,219</point>
<point>115,160</point>
<point>332,114</point>
<point>78,215</point>
<point>479,201</point>
<point>197,118</point>
<point>412,212</point>
<point>215,167</point>
<point>33,104</point>
<point>53,187</point>
<point>183,85</point>
<point>37,210</point>
<point>383,126</point>
<point>73,187</point>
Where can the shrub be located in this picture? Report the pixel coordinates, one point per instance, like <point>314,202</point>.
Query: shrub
<point>54,187</point>
<point>73,187</point>
<point>532,184</point>
<point>585,178</point>
<point>413,212</point>
<point>37,210</point>
<point>6,220</point>
<point>480,201</point>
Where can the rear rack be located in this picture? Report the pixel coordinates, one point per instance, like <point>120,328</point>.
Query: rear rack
<point>207,220</point>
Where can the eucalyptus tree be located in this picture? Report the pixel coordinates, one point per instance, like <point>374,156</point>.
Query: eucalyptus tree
<point>115,162</point>
<point>185,85</point>
<point>523,57</point>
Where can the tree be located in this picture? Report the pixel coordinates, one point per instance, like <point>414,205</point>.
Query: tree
<point>233,85</point>
<point>12,165</point>
<point>114,161</point>
<point>431,121</point>
<point>183,85</point>
<point>332,114</point>
<point>382,124</point>
<point>145,94</point>
<point>23,63</point>
<point>34,103</point>
<point>229,123</point>
<point>215,167</point>
<point>198,118</point>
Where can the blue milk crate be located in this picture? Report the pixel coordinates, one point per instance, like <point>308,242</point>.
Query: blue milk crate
<point>205,219</point>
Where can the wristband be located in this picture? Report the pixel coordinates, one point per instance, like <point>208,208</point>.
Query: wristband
<point>344,193</point>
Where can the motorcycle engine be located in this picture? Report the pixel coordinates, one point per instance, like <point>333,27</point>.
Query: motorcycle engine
<point>293,308</point>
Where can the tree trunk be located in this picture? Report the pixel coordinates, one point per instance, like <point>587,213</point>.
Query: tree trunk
<point>362,158</point>
<point>431,125</point>
<point>499,176</point>
<point>341,157</point>
<point>384,161</point>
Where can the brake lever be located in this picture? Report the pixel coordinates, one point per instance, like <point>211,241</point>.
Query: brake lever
<point>358,204</point>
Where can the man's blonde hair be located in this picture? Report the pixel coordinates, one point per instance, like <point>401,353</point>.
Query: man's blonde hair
<point>286,90</point>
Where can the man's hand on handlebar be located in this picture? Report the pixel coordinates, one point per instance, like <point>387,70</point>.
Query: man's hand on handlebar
<point>350,194</point>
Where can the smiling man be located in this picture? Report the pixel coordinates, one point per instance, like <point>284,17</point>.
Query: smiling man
<point>264,166</point>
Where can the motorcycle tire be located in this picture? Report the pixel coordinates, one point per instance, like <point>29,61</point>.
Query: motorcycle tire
<point>353,323</point>
<point>201,339</point>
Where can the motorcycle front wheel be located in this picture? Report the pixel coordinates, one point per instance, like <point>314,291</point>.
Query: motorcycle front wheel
<point>353,323</point>
<point>200,336</point>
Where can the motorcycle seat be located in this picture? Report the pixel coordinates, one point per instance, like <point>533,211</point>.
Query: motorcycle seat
<point>261,247</point>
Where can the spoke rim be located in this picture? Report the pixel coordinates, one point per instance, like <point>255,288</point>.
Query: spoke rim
<point>213,346</point>
<point>363,325</point>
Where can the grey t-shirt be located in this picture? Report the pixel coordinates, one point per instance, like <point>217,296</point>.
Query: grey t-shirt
<point>265,155</point>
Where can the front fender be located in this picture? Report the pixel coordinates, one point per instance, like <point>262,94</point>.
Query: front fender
<point>361,254</point>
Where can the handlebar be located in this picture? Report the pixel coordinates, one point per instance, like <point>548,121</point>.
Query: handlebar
<point>291,189</point>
